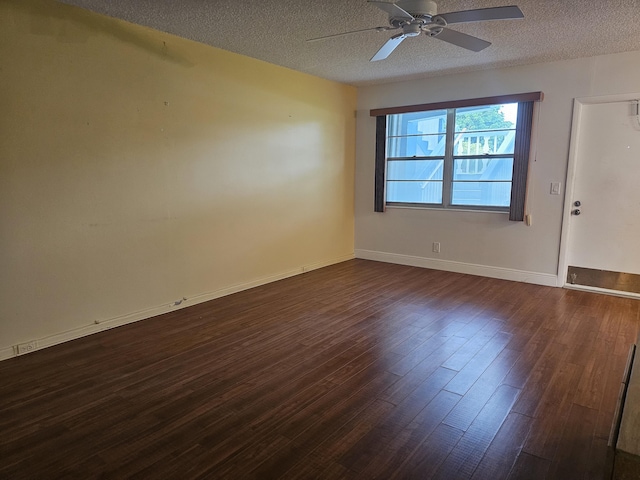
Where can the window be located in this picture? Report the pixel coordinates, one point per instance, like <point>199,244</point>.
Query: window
<point>471,154</point>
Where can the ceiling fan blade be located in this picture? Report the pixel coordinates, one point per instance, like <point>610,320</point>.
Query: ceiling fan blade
<point>388,47</point>
<point>392,9</point>
<point>379,29</point>
<point>462,40</point>
<point>495,13</point>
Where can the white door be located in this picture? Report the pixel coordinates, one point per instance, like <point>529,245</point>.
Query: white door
<point>604,230</point>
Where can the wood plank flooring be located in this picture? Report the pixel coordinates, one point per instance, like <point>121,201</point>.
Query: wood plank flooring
<point>358,370</point>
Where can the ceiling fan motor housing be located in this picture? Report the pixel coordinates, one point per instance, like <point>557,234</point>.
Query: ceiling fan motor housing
<point>419,8</point>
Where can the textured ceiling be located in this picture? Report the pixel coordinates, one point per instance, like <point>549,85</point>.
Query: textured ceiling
<point>276,31</point>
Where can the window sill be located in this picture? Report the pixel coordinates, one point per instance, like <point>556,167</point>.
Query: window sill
<point>448,209</point>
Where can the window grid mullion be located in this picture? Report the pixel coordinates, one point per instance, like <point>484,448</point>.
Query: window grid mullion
<point>483,155</point>
<point>447,182</point>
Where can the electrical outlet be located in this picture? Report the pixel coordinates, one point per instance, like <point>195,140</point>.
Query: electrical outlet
<point>436,247</point>
<point>28,347</point>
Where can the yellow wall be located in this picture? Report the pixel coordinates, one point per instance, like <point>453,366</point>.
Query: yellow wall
<point>137,168</point>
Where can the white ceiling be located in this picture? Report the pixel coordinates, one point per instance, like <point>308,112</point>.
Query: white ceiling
<point>276,31</point>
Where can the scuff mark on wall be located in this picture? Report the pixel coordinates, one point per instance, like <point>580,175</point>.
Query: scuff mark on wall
<point>70,24</point>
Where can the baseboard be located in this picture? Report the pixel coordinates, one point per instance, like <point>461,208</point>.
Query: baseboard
<point>205,297</point>
<point>546,279</point>
<point>101,325</point>
<point>606,291</point>
<point>7,352</point>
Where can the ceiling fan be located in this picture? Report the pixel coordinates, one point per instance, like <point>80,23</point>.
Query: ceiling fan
<point>413,17</point>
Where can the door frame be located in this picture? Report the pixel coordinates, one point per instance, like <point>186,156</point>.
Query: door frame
<point>565,233</point>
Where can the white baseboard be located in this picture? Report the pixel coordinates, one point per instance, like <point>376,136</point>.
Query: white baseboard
<point>205,297</point>
<point>546,279</point>
<point>7,352</point>
<point>606,291</point>
<point>101,325</point>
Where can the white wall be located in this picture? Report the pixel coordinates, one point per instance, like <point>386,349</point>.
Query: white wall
<point>138,168</point>
<point>487,243</point>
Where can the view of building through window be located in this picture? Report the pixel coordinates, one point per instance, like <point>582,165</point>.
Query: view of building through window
<point>456,157</point>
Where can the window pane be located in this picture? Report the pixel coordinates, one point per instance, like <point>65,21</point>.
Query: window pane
<point>486,117</point>
<point>434,121</point>
<point>419,134</point>
<point>483,169</point>
<point>496,142</point>
<point>415,170</point>
<point>416,146</point>
<point>487,194</point>
<point>414,192</point>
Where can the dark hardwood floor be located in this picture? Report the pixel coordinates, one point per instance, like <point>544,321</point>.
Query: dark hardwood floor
<point>358,370</point>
